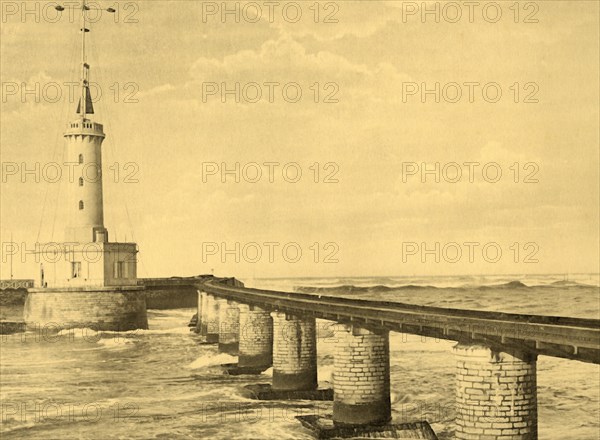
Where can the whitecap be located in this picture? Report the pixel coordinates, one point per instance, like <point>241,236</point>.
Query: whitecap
<point>212,361</point>
<point>115,342</point>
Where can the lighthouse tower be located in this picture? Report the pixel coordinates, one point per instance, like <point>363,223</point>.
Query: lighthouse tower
<point>95,283</point>
<point>85,211</point>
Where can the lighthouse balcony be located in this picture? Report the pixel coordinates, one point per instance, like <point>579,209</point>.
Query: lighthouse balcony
<point>85,127</point>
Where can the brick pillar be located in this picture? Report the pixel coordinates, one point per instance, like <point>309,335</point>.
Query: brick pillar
<point>496,394</point>
<point>229,326</point>
<point>361,378</point>
<point>201,321</point>
<point>294,353</point>
<point>211,319</point>
<point>256,337</point>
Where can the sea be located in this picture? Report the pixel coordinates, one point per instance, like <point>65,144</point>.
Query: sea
<point>162,383</point>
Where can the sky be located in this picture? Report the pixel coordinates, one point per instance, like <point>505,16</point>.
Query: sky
<point>517,94</point>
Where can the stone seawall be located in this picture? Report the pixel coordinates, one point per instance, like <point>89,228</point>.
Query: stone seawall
<point>175,297</point>
<point>12,302</point>
<point>95,309</point>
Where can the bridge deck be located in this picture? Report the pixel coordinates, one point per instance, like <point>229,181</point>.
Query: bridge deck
<point>564,337</point>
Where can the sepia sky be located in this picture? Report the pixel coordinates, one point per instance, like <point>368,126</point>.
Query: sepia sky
<point>367,209</point>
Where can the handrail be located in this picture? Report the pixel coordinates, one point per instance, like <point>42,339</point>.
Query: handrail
<point>567,337</point>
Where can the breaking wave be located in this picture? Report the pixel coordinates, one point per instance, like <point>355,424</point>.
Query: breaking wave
<point>379,288</point>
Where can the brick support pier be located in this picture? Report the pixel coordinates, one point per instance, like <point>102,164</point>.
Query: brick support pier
<point>210,319</point>
<point>256,337</point>
<point>201,321</point>
<point>294,353</point>
<point>229,326</point>
<point>361,378</point>
<point>496,394</point>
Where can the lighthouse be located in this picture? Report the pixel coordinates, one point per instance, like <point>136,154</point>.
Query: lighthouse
<point>93,283</point>
<point>85,211</point>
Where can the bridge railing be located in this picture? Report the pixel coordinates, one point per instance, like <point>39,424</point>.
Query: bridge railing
<point>566,337</point>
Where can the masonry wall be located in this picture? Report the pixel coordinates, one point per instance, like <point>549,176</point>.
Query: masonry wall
<point>294,352</point>
<point>229,326</point>
<point>98,310</point>
<point>12,302</point>
<point>201,325</point>
<point>175,297</point>
<point>211,319</point>
<point>256,337</point>
<point>362,378</point>
<point>496,394</point>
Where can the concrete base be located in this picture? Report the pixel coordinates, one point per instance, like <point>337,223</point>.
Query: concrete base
<point>264,391</point>
<point>322,427</point>
<point>99,308</point>
<point>237,370</point>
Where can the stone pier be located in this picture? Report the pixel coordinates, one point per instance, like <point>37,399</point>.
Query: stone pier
<point>210,319</point>
<point>294,361</point>
<point>229,326</point>
<point>255,350</point>
<point>362,378</point>
<point>361,385</point>
<point>496,394</point>
<point>201,322</point>
<point>256,338</point>
<point>294,353</point>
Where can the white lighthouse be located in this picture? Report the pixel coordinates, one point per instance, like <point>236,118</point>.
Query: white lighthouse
<point>85,211</point>
<point>94,284</point>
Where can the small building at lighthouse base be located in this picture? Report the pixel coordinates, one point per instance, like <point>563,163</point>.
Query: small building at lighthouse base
<point>93,285</point>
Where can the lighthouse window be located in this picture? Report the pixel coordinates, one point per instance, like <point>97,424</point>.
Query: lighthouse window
<point>81,181</point>
<point>81,158</point>
<point>75,269</point>
<point>80,204</point>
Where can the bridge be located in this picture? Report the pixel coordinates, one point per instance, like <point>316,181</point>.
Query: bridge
<point>496,354</point>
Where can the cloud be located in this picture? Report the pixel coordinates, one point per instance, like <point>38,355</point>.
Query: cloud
<point>158,90</point>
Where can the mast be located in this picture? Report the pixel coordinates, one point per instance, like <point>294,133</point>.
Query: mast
<point>85,106</point>
<point>84,67</point>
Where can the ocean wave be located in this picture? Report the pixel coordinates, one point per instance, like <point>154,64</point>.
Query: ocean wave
<point>116,343</point>
<point>358,289</point>
<point>207,360</point>
<point>508,285</point>
<point>382,288</point>
<point>163,331</point>
<point>91,334</point>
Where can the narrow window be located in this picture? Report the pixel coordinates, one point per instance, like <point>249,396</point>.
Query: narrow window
<point>81,158</point>
<point>80,205</point>
<point>118,270</point>
<point>75,269</point>
<point>81,181</point>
